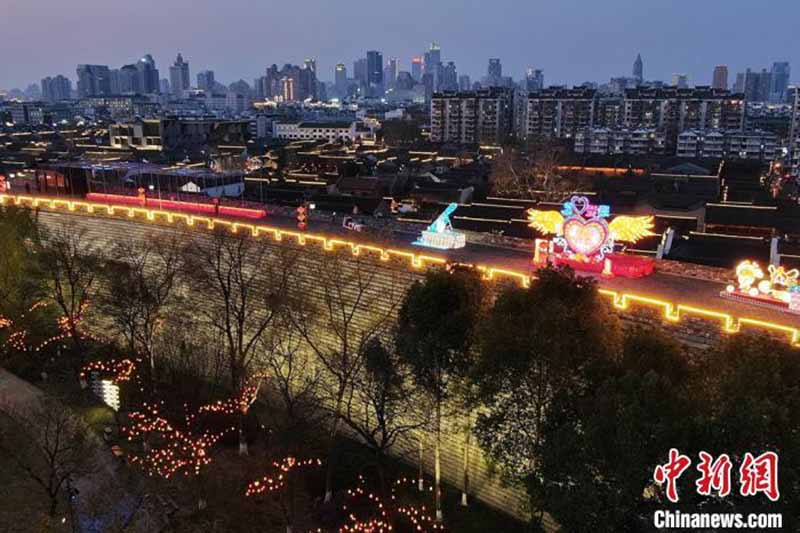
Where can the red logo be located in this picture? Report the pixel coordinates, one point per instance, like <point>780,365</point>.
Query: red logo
<point>760,474</point>
<point>715,475</point>
<point>757,475</point>
<point>671,472</point>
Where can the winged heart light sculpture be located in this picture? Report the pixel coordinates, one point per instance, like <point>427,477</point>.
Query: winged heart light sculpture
<point>583,231</point>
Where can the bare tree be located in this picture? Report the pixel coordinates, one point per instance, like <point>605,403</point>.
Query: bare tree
<point>533,174</point>
<point>354,306</point>
<point>142,290</point>
<point>194,360</point>
<point>243,284</point>
<point>292,392</point>
<point>58,448</point>
<point>383,405</point>
<point>71,263</point>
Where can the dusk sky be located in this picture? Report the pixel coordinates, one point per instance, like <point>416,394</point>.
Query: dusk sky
<point>572,40</point>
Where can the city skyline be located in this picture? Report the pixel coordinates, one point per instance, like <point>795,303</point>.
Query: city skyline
<point>330,35</point>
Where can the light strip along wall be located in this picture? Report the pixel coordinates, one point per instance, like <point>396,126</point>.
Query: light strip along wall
<point>623,301</point>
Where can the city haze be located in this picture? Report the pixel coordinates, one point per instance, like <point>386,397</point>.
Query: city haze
<point>571,40</point>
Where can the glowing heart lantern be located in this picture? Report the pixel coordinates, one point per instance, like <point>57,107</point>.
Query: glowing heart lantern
<point>583,232</point>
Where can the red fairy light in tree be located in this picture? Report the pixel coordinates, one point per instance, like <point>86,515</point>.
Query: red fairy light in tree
<point>65,327</point>
<point>171,450</point>
<point>231,406</point>
<point>277,481</point>
<point>367,512</point>
<point>18,338</point>
<point>119,370</point>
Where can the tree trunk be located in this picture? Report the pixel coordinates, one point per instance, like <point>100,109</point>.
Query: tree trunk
<point>53,504</point>
<point>381,475</point>
<point>465,488</point>
<point>421,480</point>
<point>243,450</point>
<point>332,452</point>
<point>438,466</point>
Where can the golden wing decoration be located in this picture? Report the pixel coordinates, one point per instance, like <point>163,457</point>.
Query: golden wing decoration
<point>631,229</point>
<point>546,221</point>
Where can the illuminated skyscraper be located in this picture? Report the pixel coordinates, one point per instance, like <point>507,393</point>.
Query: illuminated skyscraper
<point>375,73</point>
<point>340,79</point>
<point>417,65</point>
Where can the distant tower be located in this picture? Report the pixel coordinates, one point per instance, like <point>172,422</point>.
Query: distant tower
<point>179,76</point>
<point>416,68</point>
<point>638,70</point>
<point>720,79</point>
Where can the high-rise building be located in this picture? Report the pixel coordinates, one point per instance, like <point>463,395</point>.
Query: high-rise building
<point>681,81</point>
<point>163,86</point>
<point>781,71</point>
<point>433,57</point>
<point>638,69</point>
<point>272,82</point>
<point>720,78</point>
<point>449,77</point>
<point>311,64</point>
<point>674,110</point>
<point>375,85</point>
<point>291,83</point>
<point>56,88</point>
<point>126,80</point>
<point>559,112</point>
<point>479,117</point>
<point>534,80</point>
<point>794,135</point>
<point>360,71</point>
<point>340,79</point>
<point>179,76</point>
<point>390,73</point>
<point>307,87</point>
<point>288,89</point>
<point>754,85</point>
<point>417,65</point>
<point>205,80</point>
<point>495,69</point>
<point>464,83</point>
<point>148,75</point>
<point>93,80</point>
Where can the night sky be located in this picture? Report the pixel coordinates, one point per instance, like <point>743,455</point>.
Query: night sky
<point>572,40</point>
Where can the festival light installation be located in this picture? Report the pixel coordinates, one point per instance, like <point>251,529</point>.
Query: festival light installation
<point>117,370</point>
<point>584,238</point>
<point>238,404</point>
<point>170,450</point>
<point>671,311</point>
<point>440,234</point>
<point>277,481</point>
<point>778,288</point>
<point>106,377</point>
<point>18,338</point>
<point>367,512</point>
